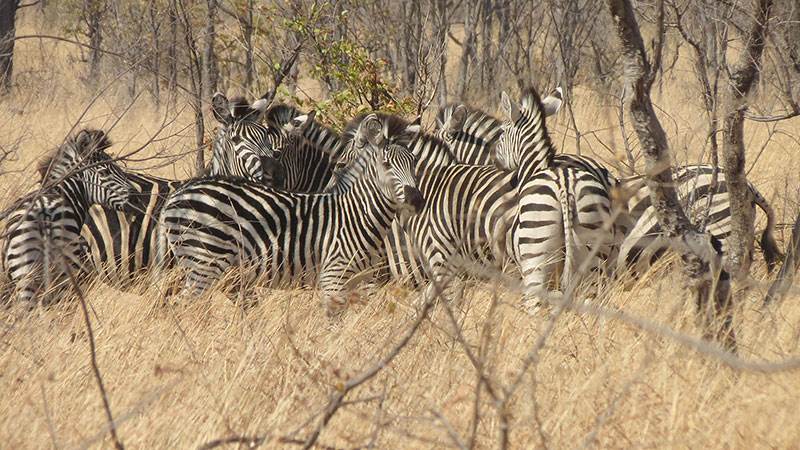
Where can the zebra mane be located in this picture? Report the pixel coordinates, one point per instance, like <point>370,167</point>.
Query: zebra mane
<point>531,100</point>
<point>427,146</point>
<point>395,128</point>
<point>88,144</point>
<point>280,114</point>
<point>241,109</point>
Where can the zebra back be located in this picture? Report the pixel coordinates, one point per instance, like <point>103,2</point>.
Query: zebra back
<point>122,247</point>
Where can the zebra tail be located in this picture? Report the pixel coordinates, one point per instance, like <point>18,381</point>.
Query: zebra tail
<point>162,247</point>
<point>769,247</point>
<point>568,214</point>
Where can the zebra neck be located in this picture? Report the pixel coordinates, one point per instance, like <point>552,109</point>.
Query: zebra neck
<point>366,200</point>
<point>537,161</point>
<point>75,197</point>
<point>323,139</point>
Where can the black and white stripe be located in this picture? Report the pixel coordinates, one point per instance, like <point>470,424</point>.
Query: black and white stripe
<point>214,225</point>
<point>243,147</point>
<point>644,242</point>
<point>43,236</point>
<point>564,211</point>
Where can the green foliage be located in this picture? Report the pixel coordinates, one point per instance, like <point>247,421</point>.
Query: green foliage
<point>357,81</point>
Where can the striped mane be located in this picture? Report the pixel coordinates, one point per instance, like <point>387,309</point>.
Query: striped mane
<point>280,114</point>
<point>395,128</point>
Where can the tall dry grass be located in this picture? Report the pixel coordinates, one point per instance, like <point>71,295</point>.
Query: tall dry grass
<point>179,376</point>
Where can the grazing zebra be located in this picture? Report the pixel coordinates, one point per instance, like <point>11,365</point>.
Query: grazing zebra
<point>43,236</point>
<point>213,225</point>
<point>644,242</point>
<point>121,247</point>
<point>243,146</point>
<point>564,212</point>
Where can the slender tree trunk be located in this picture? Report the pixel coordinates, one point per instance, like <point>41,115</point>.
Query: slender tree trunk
<point>467,48</point>
<point>487,38</point>
<point>155,27</point>
<point>697,251</point>
<point>442,27</point>
<point>783,282</point>
<point>94,11</point>
<point>247,31</point>
<point>742,80</point>
<point>210,69</point>
<point>172,50</point>
<point>8,14</point>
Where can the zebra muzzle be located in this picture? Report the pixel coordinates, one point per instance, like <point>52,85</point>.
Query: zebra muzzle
<point>414,198</point>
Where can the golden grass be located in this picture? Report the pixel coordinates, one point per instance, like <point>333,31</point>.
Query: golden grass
<point>179,376</point>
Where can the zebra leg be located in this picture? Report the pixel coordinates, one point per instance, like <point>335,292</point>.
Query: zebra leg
<point>444,281</point>
<point>336,281</point>
<point>539,242</point>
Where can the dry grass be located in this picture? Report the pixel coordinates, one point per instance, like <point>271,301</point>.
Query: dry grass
<point>180,376</point>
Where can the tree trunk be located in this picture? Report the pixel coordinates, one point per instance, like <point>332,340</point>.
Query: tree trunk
<point>210,69</point>
<point>155,27</point>
<point>742,80</point>
<point>467,48</point>
<point>783,282</point>
<point>442,27</point>
<point>172,50</point>
<point>8,14</point>
<point>247,31</point>
<point>696,249</point>
<point>93,12</point>
<point>488,60</point>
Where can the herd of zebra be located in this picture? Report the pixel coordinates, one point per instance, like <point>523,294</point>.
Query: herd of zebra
<point>289,200</point>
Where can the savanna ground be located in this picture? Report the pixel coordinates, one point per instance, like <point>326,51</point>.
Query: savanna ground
<point>182,375</point>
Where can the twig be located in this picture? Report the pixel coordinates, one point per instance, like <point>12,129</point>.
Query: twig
<point>93,358</point>
<point>338,397</point>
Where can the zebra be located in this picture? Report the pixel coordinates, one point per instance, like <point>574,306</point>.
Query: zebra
<point>465,221</point>
<point>644,242</point>
<point>564,211</point>
<point>473,135</point>
<point>213,225</point>
<point>43,242</point>
<point>243,147</point>
<point>474,132</point>
<point>122,247</point>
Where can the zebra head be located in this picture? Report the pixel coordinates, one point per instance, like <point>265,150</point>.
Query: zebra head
<point>243,146</point>
<point>396,165</point>
<point>393,130</point>
<point>524,140</point>
<point>82,163</point>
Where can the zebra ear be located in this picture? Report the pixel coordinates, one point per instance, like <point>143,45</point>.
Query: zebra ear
<point>309,118</point>
<point>370,130</point>
<point>509,109</point>
<point>552,103</point>
<point>456,121</point>
<point>90,140</point>
<point>415,127</point>
<point>221,109</point>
